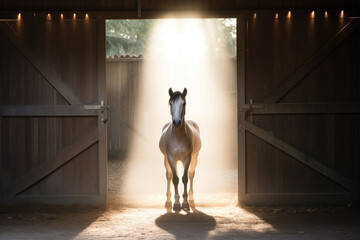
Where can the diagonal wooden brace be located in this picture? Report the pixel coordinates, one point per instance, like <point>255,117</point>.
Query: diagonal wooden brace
<point>301,157</point>
<point>81,143</point>
<point>297,76</point>
<point>40,64</point>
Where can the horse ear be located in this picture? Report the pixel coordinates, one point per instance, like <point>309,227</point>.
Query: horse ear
<point>184,92</point>
<point>171,92</point>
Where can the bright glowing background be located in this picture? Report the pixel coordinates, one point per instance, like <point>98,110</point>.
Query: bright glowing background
<point>183,53</point>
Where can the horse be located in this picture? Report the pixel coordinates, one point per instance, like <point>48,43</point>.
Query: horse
<point>180,141</point>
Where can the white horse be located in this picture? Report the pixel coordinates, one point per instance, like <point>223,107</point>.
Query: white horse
<point>180,141</point>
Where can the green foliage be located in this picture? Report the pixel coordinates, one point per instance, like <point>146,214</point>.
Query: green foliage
<point>130,37</point>
<point>227,38</point>
<point>127,37</point>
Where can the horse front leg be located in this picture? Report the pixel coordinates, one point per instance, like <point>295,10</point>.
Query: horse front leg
<point>185,204</point>
<point>169,175</point>
<point>191,176</point>
<point>175,180</point>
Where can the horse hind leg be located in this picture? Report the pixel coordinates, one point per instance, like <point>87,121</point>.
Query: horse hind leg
<point>169,175</point>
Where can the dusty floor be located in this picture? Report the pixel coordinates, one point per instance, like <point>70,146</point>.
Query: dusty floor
<point>216,217</point>
<point>226,222</point>
<point>136,185</point>
<point>126,188</point>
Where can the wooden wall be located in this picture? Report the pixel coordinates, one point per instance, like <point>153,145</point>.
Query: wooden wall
<point>174,5</point>
<point>123,84</point>
<point>49,143</point>
<point>298,135</point>
<point>295,68</point>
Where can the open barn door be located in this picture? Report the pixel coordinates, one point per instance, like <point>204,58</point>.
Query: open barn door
<point>53,110</point>
<point>299,110</point>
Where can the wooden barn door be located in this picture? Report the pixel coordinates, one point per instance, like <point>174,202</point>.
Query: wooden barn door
<point>299,109</point>
<point>53,110</point>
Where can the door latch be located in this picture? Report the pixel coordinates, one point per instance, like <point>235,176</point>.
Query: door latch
<point>101,107</point>
<point>103,110</point>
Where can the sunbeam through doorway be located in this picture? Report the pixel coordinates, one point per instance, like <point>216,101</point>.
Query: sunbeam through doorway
<point>199,54</point>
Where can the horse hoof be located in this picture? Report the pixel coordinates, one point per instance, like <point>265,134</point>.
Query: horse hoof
<point>185,206</point>
<point>177,207</point>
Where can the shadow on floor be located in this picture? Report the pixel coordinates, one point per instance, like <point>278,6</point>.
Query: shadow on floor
<point>298,223</point>
<point>193,224</point>
<point>46,221</point>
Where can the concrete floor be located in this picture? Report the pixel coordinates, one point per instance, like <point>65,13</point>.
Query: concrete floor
<point>224,222</point>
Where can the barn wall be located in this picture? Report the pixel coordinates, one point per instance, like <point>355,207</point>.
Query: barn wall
<point>285,50</point>
<point>49,71</point>
<point>171,5</point>
<point>271,50</point>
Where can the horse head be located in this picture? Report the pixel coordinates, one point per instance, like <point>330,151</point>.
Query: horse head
<point>177,103</point>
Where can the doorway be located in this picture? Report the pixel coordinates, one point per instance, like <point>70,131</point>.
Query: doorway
<point>144,59</point>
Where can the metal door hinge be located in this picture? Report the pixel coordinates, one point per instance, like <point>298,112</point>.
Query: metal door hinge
<point>103,111</point>
<point>102,106</point>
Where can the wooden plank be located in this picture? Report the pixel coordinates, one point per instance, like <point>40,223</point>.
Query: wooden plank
<point>109,87</point>
<point>302,157</point>
<point>67,135</point>
<point>2,59</point>
<point>7,163</point>
<point>50,153</point>
<point>311,63</point>
<point>241,81</point>
<point>1,146</point>
<point>102,96</point>
<point>130,5</point>
<point>40,64</point>
<point>267,54</point>
<point>302,108</point>
<point>45,110</point>
<point>347,151</point>
<point>264,162</point>
<point>253,157</point>
<point>88,161</point>
<point>297,199</point>
<point>48,167</point>
<point>232,12</point>
<point>63,200</point>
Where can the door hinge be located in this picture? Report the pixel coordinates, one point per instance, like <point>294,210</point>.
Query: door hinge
<point>103,111</point>
<point>102,106</point>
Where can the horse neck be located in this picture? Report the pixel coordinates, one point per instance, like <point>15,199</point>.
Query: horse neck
<point>180,131</point>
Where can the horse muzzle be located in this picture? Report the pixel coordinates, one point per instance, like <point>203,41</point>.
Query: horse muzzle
<point>177,123</point>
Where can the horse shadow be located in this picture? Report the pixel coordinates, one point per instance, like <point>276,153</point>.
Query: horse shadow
<point>194,224</point>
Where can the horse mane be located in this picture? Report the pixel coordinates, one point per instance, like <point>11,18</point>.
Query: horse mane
<point>175,96</point>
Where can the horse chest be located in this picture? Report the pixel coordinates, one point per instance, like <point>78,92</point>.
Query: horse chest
<point>179,148</point>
